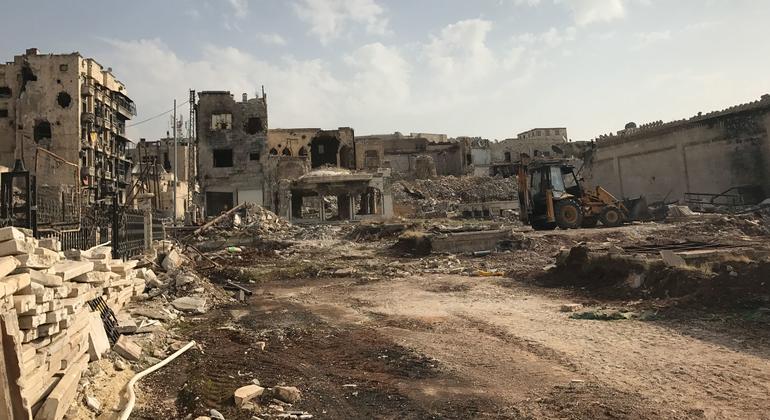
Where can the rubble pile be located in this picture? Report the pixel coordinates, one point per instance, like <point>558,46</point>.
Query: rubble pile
<point>50,332</point>
<point>439,197</point>
<point>248,219</point>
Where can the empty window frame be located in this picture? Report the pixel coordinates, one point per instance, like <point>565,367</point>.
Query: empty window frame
<point>223,158</point>
<point>221,122</point>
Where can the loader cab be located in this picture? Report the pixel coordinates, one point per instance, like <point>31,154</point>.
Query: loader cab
<point>549,183</point>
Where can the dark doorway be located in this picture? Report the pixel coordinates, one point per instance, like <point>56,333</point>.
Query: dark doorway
<point>323,151</point>
<point>217,202</point>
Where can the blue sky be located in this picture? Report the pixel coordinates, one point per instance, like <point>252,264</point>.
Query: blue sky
<point>489,68</point>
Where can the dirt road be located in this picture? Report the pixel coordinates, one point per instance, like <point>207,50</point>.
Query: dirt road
<point>459,347</point>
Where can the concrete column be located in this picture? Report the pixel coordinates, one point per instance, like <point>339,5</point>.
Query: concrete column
<point>322,210</point>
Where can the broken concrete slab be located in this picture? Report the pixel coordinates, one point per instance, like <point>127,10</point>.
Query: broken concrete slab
<point>126,324</point>
<point>128,349</point>
<point>190,304</point>
<point>152,313</point>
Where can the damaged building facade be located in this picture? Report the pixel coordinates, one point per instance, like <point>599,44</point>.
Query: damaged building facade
<point>534,142</point>
<point>406,154</point>
<point>232,136</point>
<point>75,110</point>
<point>707,154</point>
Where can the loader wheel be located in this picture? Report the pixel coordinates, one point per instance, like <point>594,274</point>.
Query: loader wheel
<point>543,225</point>
<point>590,221</point>
<point>568,214</point>
<point>611,217</point>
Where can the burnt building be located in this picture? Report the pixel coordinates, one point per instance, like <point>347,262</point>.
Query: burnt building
<point>74,110</point>
<point>232,137</point>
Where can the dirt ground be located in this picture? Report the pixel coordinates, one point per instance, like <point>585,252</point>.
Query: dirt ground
<point>431,344</point>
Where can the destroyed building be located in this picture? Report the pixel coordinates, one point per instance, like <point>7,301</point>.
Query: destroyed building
<point>232,136</point>
<point>690,159</point>
<point>154,172</point>
<point>400,153</point>
<point>534,142</point>
<point>76,110</point>
<point>293,152</point>
<point>327,195</point>
<point>322,147</point>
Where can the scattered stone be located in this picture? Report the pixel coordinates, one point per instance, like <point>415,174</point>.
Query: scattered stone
<point>571,307</point>
<point>120,365</point>
<point>190,304</point>
<point>93,404</point>
<point>671,259</point>
<point>216,414</point>
<point>172,261</point>
<point>287,394</point>
<point>247,393</point>
<point>185,278</point>
<point>260,345</point>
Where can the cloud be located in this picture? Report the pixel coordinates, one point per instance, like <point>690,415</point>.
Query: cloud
<point>271,39</point>
<point>645,39</point>
<point>591,11</point>
<point>381,78</point>
<point>459,52</point>
<point>240,8</point>
<point>329,19</point>
<point>300,92</point>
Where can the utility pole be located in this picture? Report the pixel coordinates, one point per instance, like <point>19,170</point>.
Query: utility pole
<point>175,162</point>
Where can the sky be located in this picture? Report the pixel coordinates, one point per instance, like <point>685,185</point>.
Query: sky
<point>488,68</point>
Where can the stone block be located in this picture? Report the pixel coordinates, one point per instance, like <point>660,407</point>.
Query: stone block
<point>11,233</point>
<point>98,342</point>
<point>128,349</point>
<point>50,243</point>
<point>15,247</point>
<point>71,269</point>
<point>15,283</point>
<point>247,393</point>
<point>8,265</point>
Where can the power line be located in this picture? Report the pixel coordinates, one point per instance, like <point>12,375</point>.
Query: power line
<point>159,115</point>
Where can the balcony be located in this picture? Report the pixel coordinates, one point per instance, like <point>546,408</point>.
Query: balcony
<point>87,89</point>
<point>125,105</point>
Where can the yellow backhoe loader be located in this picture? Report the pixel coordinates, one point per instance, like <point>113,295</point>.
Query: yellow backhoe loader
<point>551,195</point>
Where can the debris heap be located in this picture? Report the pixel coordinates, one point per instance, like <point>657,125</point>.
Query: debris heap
<point>49,330</point>
<point>440,197</point>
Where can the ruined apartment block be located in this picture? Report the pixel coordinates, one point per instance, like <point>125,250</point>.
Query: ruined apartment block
<point>74,108</point>
<point>232,136</point>
<point>725,151</point>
